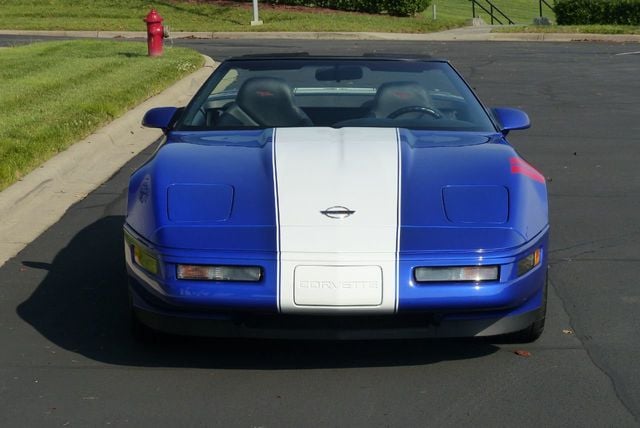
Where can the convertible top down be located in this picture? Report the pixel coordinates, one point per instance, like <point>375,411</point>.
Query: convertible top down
<point>337,197</point>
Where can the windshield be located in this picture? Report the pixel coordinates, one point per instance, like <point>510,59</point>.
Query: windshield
<point>255,94</point>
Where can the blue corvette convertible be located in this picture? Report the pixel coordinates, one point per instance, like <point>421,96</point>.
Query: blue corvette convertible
<point>337,197</point>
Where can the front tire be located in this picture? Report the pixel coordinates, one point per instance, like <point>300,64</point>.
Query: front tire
<point>140,332</point>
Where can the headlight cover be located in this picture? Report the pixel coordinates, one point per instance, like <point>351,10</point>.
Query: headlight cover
<point>141,256</point>
<point>529,262</point>
<point>456,274</point>
<point>219,273</point>
<point>145,260</point>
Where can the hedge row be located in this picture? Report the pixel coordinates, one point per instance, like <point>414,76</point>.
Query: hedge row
<point>392,7</point>
<point>406,7</point>
<point>585,12</point>
<point>368,6</point>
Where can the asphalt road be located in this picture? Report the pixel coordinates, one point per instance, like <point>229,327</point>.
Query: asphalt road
<point>67,359</point>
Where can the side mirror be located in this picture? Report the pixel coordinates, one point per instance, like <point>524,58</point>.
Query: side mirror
<point>160,117</point>
<point>511,118</point>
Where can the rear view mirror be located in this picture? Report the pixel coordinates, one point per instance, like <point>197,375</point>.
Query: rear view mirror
<point>160,117</point>
<point>338,73</point>
<point>510,119</point>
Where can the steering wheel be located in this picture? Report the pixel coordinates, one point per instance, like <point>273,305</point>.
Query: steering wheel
<point>414,109</point>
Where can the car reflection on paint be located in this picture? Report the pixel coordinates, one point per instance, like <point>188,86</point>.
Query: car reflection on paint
<point>337,197</point>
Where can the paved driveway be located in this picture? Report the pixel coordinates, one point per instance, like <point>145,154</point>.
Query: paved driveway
<point>66,356</point>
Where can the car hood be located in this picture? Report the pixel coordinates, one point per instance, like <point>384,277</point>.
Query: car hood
<point>257,190</point>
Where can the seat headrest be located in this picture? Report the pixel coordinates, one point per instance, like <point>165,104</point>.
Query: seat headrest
<point>269,101</point>
<point>392,96</point>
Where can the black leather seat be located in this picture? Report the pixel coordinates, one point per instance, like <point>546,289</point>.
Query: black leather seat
<point>393,96</point>
<point>264,102</point>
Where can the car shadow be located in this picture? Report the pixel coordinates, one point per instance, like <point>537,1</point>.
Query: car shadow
<point>81,306</point>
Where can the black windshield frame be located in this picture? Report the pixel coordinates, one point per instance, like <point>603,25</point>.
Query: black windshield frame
<point>402,67</point>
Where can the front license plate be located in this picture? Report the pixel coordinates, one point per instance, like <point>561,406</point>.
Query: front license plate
<point>337,285</point>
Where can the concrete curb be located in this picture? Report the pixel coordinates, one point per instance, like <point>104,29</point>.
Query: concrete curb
<point>565,37</point>
<point>32,205</point>
<point>458,34</point>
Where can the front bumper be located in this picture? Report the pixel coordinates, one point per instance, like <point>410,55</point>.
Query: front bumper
<point>238,324</point>
<point>251,310</point>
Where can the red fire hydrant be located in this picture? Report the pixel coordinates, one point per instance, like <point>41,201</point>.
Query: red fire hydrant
<point>155,33</point>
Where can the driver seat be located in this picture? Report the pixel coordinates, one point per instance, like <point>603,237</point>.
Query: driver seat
<point>392,96</point>
<point>265,102</point>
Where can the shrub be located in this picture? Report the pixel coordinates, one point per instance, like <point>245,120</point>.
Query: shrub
<point>392,7</point>
<point>586,12</point>
<point>406,7</point>
<point>368,6</point>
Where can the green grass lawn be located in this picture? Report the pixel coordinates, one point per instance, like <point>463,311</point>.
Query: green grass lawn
<point>193,16</point>
<point>198,16</point>
<point>520,11</point>
<point>55,93</point>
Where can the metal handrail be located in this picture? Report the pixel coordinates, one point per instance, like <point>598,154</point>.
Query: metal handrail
<point>492,7</point>
<point>546,4</point>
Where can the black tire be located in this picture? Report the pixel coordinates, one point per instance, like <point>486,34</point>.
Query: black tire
<point>141,332</point>
<point>535,329</point>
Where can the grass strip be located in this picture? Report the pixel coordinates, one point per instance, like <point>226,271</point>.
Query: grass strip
<point>192,15</point>
<point>586,29</point>
<point>520,11</point>
<point>55,93</point>
<point>126,15</point>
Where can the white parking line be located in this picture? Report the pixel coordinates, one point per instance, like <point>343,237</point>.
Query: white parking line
<point>628,53</point>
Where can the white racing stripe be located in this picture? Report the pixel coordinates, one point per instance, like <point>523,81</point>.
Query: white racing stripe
<point>337,264</point>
